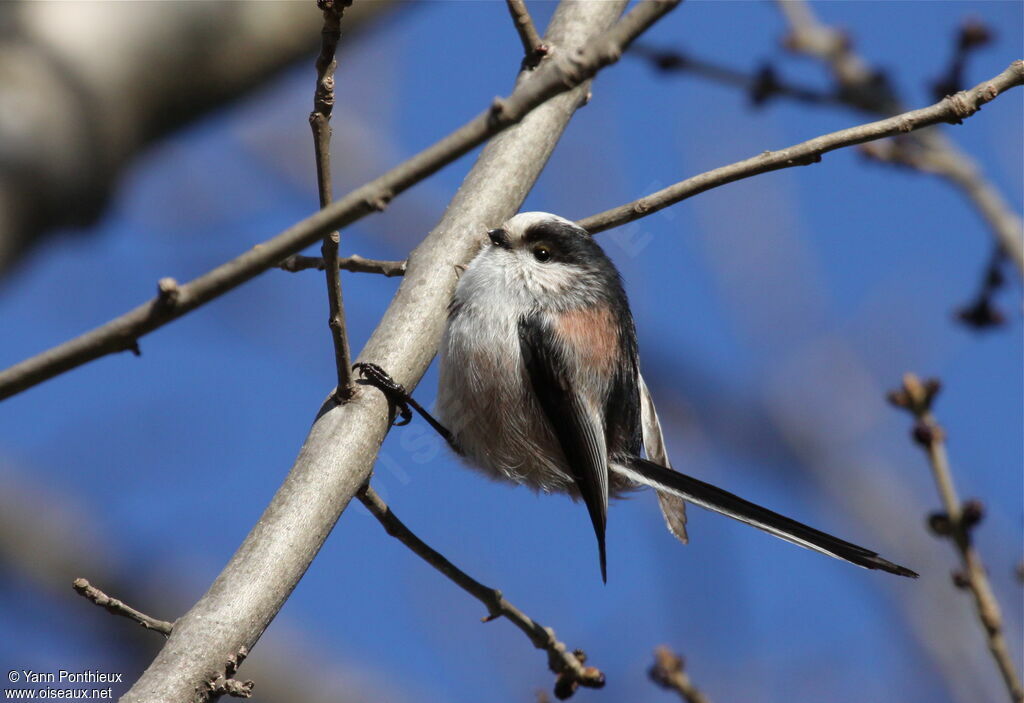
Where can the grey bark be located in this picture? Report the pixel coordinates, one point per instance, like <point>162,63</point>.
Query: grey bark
<point>560,74</point>
<point>338,454</point>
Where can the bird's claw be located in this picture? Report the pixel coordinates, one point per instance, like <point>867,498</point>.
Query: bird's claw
<point>395,391</point>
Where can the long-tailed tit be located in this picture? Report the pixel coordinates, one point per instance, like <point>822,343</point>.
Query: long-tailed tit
<point>540,385</point>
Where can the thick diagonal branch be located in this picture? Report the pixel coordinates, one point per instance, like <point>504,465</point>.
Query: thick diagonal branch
<point>339,451</point>
<point>572,67</point>
<point>123,332</point>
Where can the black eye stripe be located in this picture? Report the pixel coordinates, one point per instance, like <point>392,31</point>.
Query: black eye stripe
<point>554,231</point>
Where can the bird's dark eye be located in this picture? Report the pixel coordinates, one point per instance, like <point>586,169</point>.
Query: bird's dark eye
<point>541,253</point>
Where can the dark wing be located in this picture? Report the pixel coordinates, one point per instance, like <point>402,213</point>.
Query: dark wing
<point>574,420</point>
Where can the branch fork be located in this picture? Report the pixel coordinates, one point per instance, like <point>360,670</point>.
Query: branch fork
<point>110,337</point>
<point>534,47</point>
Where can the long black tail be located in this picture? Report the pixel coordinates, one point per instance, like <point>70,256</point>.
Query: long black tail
<point>707,496</point>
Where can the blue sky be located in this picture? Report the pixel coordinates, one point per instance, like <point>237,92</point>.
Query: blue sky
<point>772,315</point>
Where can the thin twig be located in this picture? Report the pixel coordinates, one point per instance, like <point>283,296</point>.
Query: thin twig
<point>669,673</point>
<point>957,521</point>
<point>554,77</point>
<point>972,35</point>
<point>533,46</point>
<point>863,89</point>
<point>338,452</point>
<point>565,664</point>
<point>982,312</point>
<point>113,605</point>
<point>866,89</point>
<point>952,109</point>
<point>320,123</point>
<point>858,85</point>
<point>761,85</point>
<point>356,263</point>
<point>123,332</point>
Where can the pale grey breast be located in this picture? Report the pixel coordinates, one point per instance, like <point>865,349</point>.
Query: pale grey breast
<point>484,398</point>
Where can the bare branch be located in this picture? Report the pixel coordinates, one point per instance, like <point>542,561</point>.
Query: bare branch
<point>866,89</point>
<point>942,159</point>
<point>563,73</point>
<point>669,673</point>
<point>563,663</point>
<point>961,170</point>
<point>356,263</point>
<point>957,521</point>
<point>73,123</point>
<point>338,453</point>
<point>971,36</point>
<point>953,109</point>
<point>319,122</point>
<point>113,605</point>
<point>859,86</point>
<point>863,89</point>
<point>533,45</point>
<point>761,85</point>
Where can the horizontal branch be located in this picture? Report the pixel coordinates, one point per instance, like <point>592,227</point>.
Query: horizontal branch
<point>864,87</point>
<point>356,263</point>
<point>953,109</point>
<point>555,76</point>
<point>761,85</point>
<point>565,664</point>
<point>89,592</point>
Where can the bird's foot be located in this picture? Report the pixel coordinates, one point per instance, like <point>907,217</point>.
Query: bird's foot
<point>374,375</point>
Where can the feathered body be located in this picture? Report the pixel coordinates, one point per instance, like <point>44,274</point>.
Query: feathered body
<point>486,398</point>
<point>540,385</point>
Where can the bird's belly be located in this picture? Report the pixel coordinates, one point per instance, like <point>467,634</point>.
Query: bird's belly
<point>486,401</point>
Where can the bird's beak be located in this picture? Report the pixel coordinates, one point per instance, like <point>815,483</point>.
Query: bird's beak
<point>499,238</point>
